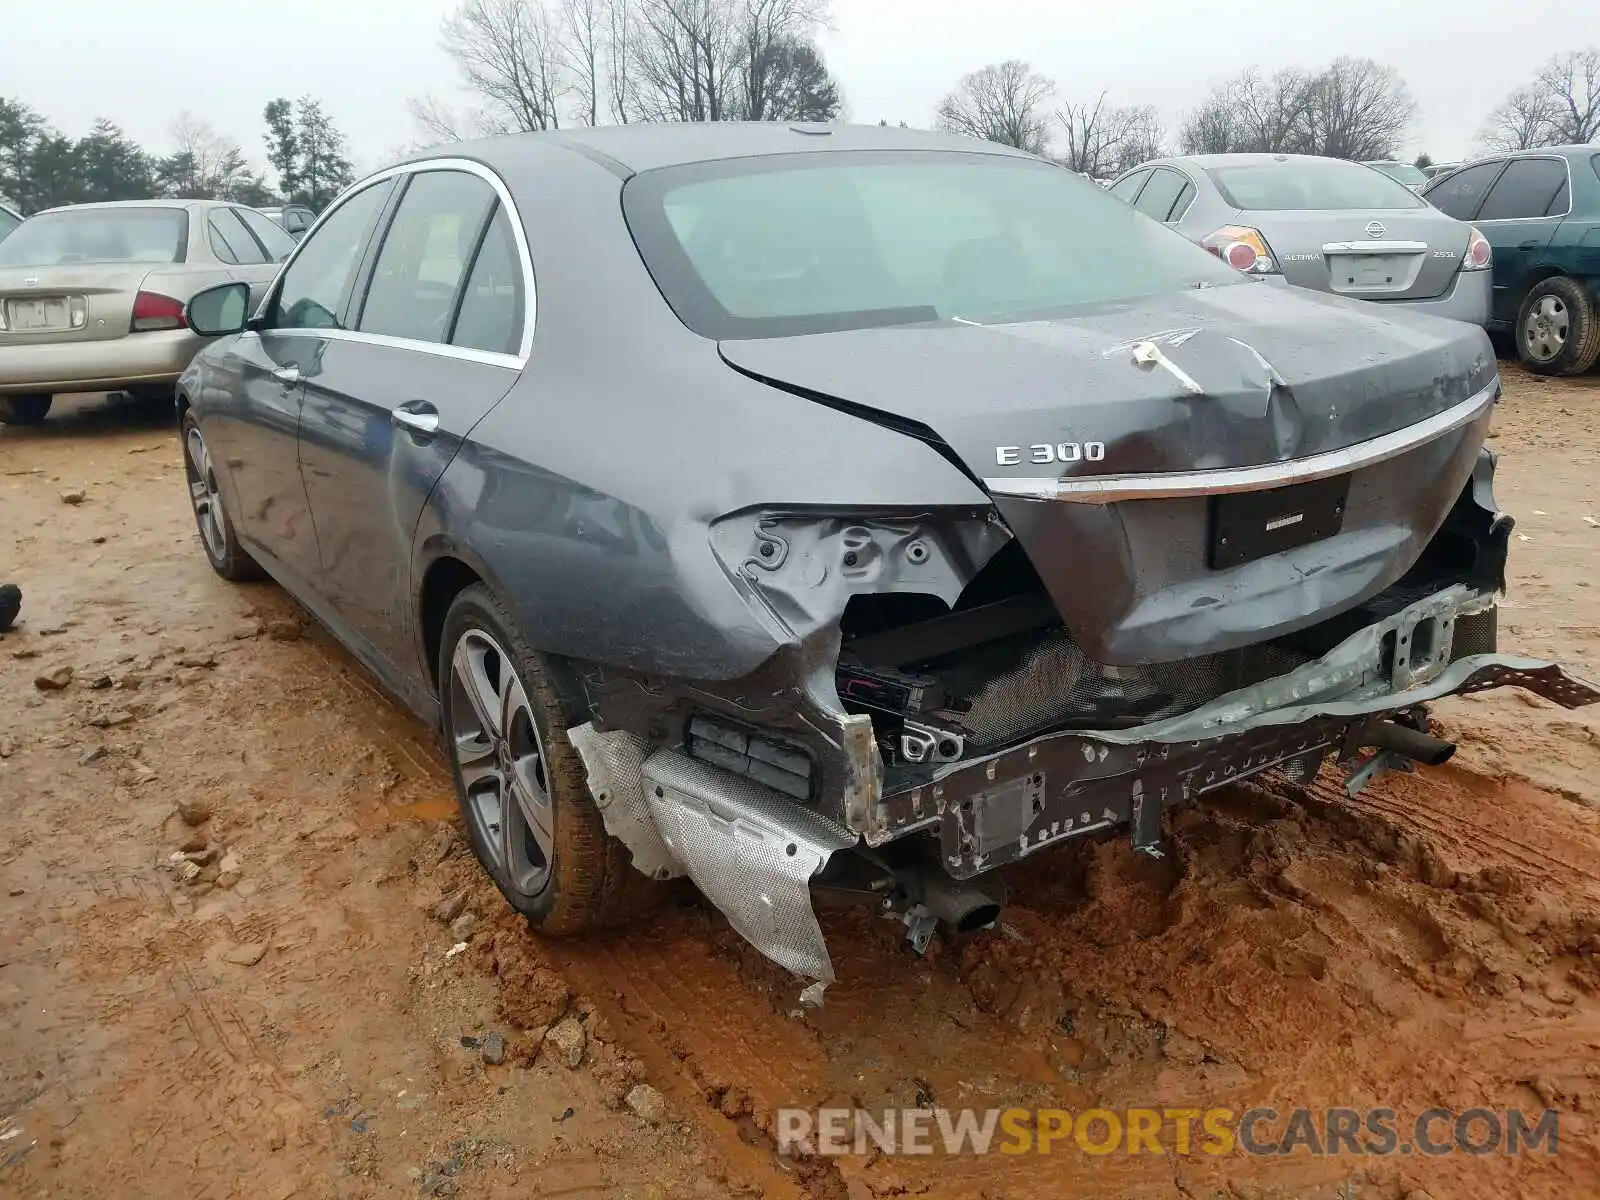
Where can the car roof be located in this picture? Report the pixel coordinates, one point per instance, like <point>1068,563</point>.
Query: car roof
<point>1243,160</point>
<point>647,146</point>
<point>156,203</point>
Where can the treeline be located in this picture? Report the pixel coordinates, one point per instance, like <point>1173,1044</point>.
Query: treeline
<point>40,167</point>
<point>539,64</point>
<point>1353,108</point>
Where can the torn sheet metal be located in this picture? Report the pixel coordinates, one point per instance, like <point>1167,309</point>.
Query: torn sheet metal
<point>750,851</point>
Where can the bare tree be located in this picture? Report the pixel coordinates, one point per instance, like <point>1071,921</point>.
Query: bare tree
<point>1352,108</point>
<point>685,60</point>
<point>1358,109</point>
<point>1521,122</point>
<point>1003,102</point>
<point>204,164</point>
<point>510,53</point>
<point>1572,83</point>
<point>1253,113</point>
<point>768,32</point>
<point>619,44</point>
<point>1104,140</point>
<point>583,32</point>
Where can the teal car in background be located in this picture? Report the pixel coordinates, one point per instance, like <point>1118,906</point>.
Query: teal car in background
<point>1540,210</point>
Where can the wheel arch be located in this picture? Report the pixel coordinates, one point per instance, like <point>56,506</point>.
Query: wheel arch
<point>451,571</point>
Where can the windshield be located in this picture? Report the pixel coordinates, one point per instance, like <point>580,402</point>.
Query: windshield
<point>807,243</point>
<point>1404,173</point>
<point>98,235</point>
<point>1310,183</point>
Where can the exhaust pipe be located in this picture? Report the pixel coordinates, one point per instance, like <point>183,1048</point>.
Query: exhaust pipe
<point>1413,744</point>
<point>962,906</point>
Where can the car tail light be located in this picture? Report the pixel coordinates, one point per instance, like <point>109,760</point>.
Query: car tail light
<point>1243,249</point>
<point>151,310</point>
<point>1479,253</point>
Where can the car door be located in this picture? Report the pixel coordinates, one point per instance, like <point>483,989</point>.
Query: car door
<point>259,431</point>
<point>438,338</point>
<point>1519,216</point>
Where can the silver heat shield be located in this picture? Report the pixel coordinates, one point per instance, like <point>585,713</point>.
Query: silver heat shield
<point>751,851</point>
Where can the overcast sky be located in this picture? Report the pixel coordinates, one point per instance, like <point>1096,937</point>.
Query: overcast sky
<point>139,63</point>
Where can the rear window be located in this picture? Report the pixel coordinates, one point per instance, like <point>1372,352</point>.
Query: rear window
<point>1307,183</point>
<point>98,235</point>
<point>807,243</point>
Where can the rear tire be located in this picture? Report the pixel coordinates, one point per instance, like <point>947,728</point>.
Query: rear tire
<point>227,557</point>
<point>1558,330</point>
<point>523,790</point>
<point>26,409</point>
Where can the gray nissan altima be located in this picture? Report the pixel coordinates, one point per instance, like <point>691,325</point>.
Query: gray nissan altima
<point>807,508</point>
<point>1343,227</point>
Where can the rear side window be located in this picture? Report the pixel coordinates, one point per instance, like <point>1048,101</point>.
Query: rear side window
<point>296,220</point>
<point>8,222</point>
<point>1160,194</point>
<point>314,284</point>
<point>278,244</point>
<point>425,255</point>
<point>1459,193</point>
<point>230,240</point>
<point>1526,189</point>
<point>98,235</point>
<point>1127,187</point>
<point>1309,183</point>
<point>492,301</point>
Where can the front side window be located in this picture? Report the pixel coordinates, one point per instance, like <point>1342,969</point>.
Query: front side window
<point>230,240</point>
<point>804,243</point>
<point>98,235</point>
<point>316,282</point>
<point>425,256</point>
<point>1526,189</point>
<point>1309,183</point>
<point>492,302</point>
<point>1459,193</point>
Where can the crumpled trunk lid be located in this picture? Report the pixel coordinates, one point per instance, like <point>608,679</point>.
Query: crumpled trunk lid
<point>1237,376</point>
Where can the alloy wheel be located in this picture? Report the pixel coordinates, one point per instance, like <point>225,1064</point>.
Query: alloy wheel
<point>203,493</point>
<point>501,761</point>
<point>1544,331</point>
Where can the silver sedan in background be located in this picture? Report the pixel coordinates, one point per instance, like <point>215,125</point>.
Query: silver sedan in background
<point>92,296</point>
<point>1322,223</point>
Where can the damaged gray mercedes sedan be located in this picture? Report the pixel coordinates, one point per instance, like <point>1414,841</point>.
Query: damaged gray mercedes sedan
<point>804,508</point>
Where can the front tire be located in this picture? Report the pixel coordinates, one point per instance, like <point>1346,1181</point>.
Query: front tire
<point>27,409</point>
<point>1558,330</point>
<point>522,788</point>
<point>227,557</point>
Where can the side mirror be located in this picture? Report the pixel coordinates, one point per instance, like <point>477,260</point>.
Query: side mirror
<point>218,310</point>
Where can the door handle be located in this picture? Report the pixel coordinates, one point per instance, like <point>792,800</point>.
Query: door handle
<point>288,376</point>
<point>418,420</point>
